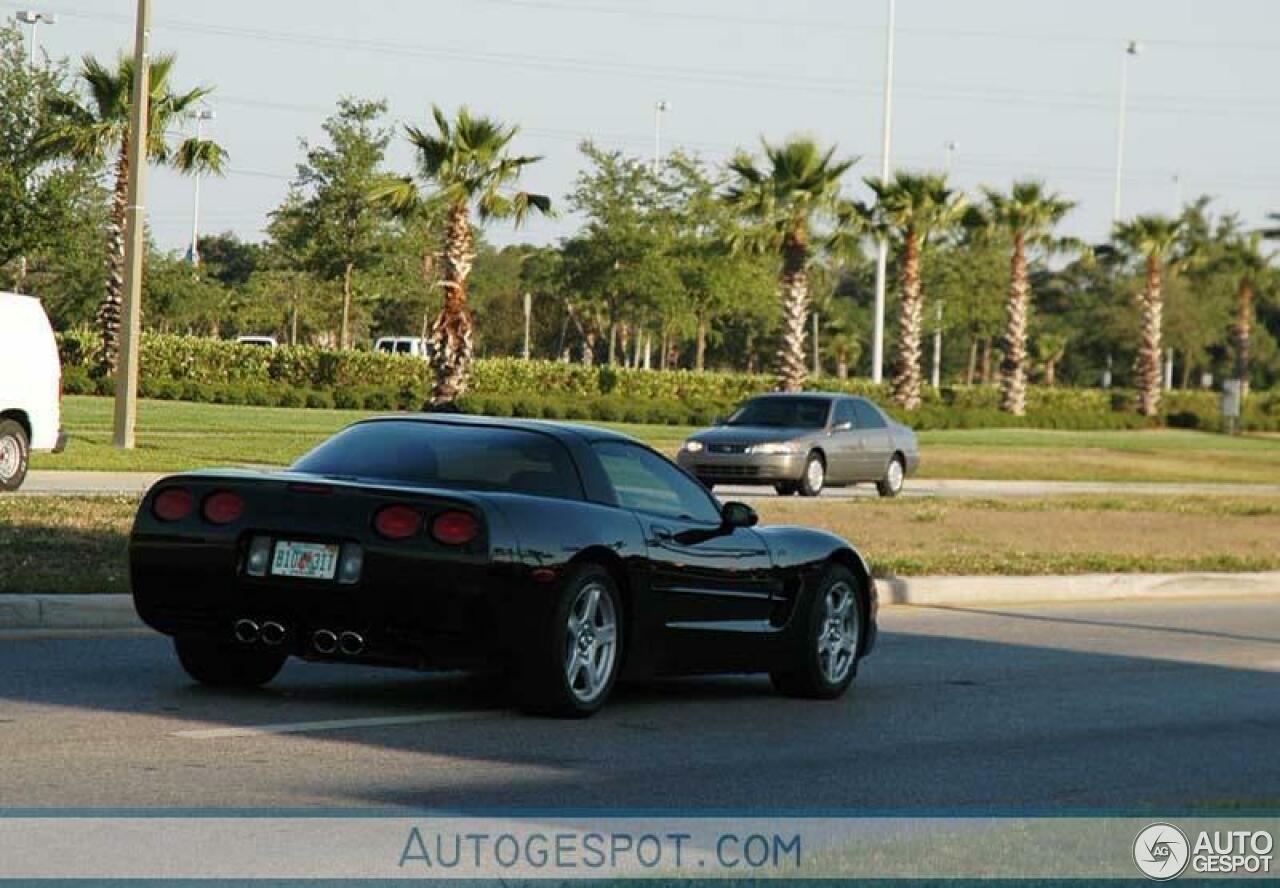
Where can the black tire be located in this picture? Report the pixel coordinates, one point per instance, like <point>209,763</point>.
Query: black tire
<point>786,488</point>
<point>545,685</point>
<point>805,676</point>
<point>15,454</point>
<point>891,484</point>
<point>807,485</point>
<point>710,485</point>
<point>224,665</point>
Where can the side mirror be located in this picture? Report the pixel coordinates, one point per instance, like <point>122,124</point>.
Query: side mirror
<point>719,420</point>
<point>736,515</point>
<point>842,427</point>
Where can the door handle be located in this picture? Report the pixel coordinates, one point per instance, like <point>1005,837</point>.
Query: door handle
<point>662,534</point>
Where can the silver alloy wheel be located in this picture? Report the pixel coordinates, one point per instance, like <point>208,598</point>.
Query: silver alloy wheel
<point>590,643</point>
<point>895,475</point>
<point>10,458</point>
<point>838,633</point>
<point>815,474</point>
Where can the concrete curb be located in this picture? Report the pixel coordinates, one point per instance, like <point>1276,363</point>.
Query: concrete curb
<point>116,611</point>
<point>962,591</point>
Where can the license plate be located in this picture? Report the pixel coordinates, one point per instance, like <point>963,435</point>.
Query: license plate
<point>310,561</point>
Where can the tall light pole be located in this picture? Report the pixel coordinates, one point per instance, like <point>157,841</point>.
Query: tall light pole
<point>1131,51</point>
<point>126,412</point>
<point>882,257</point>
<point>193,255</point>
<point>659,108</point>
<point>936,376</point>
<point>951,148</point>
<point>35,20</point>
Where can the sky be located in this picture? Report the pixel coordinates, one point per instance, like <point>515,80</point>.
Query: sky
<point>1023,88</point>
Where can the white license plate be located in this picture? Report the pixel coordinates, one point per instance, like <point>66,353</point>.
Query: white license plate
<point>311,561</point>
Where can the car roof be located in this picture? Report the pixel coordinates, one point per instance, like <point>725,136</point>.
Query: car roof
<point>559,430</point>
<point>789,395</point>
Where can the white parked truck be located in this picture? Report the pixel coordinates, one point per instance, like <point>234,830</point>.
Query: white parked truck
<point>30,387</point>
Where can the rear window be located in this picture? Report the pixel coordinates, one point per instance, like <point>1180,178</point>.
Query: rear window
<point>452,456</point>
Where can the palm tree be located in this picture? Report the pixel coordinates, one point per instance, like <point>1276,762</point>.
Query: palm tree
<point>467,166</point>
<point>911,208</point>
<point>93,130</point>
<point>1050,349</point>
<point>782,204</point>
<point>1028,214</point>
<point>1245,253</point>
<point>1153,238</point>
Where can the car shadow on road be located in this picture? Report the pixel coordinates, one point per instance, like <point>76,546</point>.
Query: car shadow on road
<point>934,721</point>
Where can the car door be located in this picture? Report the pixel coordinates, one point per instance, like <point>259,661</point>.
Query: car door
<point>877,443</point>
<point>844,445</point>
<point>712,588</point>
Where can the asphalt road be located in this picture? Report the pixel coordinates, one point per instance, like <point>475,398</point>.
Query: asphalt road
<point>68,483</point>
<point>1114,704</point>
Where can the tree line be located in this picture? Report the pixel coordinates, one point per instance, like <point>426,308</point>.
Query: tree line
<point>764,261</point>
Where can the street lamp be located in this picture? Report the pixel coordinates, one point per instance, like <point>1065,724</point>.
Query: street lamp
<point>193,255</point>
<point>35,20</point>
<point>1131,51</point>
<point>882,257</point>
<point>951,148</point>
<point>659,108</point>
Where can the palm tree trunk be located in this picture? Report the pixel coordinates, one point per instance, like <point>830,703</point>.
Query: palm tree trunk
<point>1150,346</point>
<point>906,377</point>
<point>700,353</point>
<point>1241,332</point>
<point>664,347</point>
<point>1050,373</point>
<point>451,335</point>
<point>1013,376</point>
<point>972,367</point>
<point>794,286</point>
<point>112,307</point>
<point>985,367</point>
<point>344,337</point>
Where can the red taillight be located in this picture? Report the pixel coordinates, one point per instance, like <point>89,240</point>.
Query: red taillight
<point>223,507</point>
<point>173,504</point>
<point>397,522</point>
<point>455,528</point>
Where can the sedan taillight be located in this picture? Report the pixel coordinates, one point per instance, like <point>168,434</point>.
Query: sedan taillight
<point>397,522</point>
<point>173,504</point>
<point>455,528</point>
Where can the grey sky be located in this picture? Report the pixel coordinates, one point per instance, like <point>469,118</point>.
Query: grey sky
<point>1025,88</point>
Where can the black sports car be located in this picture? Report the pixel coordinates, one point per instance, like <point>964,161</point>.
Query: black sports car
<point>569,556</point>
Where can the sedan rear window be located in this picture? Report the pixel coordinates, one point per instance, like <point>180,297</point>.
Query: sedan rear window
<point>445,455</point>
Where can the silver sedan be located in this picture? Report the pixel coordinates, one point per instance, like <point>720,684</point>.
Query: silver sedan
<point>800,443</point>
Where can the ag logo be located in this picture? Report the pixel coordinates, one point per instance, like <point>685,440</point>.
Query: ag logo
<point>1161,851</point>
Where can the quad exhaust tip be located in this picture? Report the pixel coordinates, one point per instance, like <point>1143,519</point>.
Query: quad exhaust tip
<point>351,643</point>
<point>246,631</point>
<point>324,641</point>
<point>272,633</point>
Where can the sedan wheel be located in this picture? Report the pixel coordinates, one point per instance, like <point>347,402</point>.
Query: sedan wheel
<point>13,455</point>
<point>894,476</point>
<point>786,488</point>
<point>825,658</point>
<point>815,476</point>
<point>571,672</point>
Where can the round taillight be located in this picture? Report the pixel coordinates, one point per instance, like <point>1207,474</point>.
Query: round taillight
<point>455,528</point>
<point>223,507</point>
<point>397,522</point>
<point>173,504</point>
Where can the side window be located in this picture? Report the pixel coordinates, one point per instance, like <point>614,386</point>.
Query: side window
<point>868,416</point>
<point>844,414</point>
<point>646,482</point>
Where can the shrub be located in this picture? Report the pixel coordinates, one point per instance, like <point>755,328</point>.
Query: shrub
<point>379,399</point>
<point>319,400</point>
<point>291,397</point>
<point>347,399</point>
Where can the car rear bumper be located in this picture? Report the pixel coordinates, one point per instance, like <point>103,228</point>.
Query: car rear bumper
<point>742,468</point>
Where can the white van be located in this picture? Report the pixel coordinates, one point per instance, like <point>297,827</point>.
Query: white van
<point>403,345</point>
<point>30,387</point>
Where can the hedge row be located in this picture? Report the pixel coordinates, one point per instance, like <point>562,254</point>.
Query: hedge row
<point>199,369</point>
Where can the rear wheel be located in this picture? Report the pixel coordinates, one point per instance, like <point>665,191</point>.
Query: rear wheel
<point>825,657</point>
<point>814,477</point>
<point>571,669</point>
<point>15,451</point>
<point>219,664</point>
<point>786,488</point>
<point>894,476</point>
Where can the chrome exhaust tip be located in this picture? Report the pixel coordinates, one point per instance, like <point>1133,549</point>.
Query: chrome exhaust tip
<point>272,633</point>
<point>246,631</point>
<point>324,641</point>
<point>351,643</point>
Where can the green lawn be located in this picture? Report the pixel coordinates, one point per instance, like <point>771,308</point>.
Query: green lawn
<point>176,435</point>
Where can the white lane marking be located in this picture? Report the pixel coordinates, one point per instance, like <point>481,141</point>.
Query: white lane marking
<point>336,724</point>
